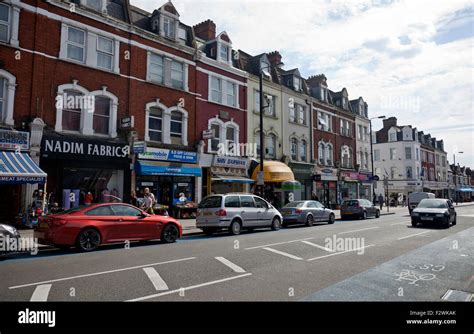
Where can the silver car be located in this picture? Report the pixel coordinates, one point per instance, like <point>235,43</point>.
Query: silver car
<point>306,212</point>
<point>236,211</point>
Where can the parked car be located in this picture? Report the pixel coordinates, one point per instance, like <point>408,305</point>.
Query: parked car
<point>359,208</point>
<point>438,211</point>
<point>89,227</point>
<point>416,197</point>
<point>236,211</point>
<point>10,233</point>
<point>306,212</point>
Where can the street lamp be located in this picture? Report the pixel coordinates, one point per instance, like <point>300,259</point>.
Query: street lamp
<point>455,175</point>
<point>372,150</point>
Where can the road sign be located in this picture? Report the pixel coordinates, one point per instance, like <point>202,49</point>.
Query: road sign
<point>260,178</point>
<point>127,122</point>
<point>208,134</point>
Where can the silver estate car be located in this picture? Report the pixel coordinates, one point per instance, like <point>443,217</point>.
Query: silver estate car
<point>236,211</point>
<point>306,212</point>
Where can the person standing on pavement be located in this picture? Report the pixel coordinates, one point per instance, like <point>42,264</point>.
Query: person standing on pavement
<point>380,201</point>
<point>149,202</point>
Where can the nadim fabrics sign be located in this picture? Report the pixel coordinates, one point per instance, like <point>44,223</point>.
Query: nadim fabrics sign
<point>163,154</point>
<point>13,140</point>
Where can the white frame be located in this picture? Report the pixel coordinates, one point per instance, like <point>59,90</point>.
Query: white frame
<point>7,23</point>
<point>83,46</point>
<point>150,115</point>
<point>110,54</point>
<point>174,70</point>
<point>175,121</point>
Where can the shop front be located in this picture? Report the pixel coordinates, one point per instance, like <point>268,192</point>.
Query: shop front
<point>171,175</point>
<point>348,185</point>
<point>326,186</point>
<point>365,186</point>
<point>440,189</point>
<point>229,174</point>
<point>83,171</point>
<point>304,174</point>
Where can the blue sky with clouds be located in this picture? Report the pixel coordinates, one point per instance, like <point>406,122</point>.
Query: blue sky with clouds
<point>411,59</point>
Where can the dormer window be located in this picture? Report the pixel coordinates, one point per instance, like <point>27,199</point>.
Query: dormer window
<point>224,53</point>
<point>97,5</point>
<point>169,26</point>
<point>323,94</point>
<point>297,84</point>
<point>344,103</point>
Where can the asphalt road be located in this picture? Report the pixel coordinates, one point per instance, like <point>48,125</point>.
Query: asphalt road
<point>382,259</point>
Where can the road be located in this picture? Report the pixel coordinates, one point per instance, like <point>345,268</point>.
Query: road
<point>388,260</point>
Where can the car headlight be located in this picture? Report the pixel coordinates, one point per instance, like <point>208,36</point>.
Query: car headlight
<point>9,228</point>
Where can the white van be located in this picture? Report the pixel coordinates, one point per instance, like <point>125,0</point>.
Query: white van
<point>415,198</point>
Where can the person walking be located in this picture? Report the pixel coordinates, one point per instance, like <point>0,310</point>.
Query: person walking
<point>380,201</point>
<point>149,202</point>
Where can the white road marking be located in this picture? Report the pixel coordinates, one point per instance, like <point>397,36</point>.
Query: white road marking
<point>347,251</point>
<point>413,235</point>
<point>362,229</point>
<point>318,246</point>
<point>401,223</point>
<point>41,293</point>
<point>229,264</point>
<point>100,273</point>
<point>283,253</point>
<point>156,279</point>
<point>278,243</point>
<point>468,215</point>
<point>188,288</point>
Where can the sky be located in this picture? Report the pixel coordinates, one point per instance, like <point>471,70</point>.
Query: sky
<point>409,59</point>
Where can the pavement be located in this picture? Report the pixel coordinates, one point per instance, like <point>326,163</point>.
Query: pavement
<point>373,259</point>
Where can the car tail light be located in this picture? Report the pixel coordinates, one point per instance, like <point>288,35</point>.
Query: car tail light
<point>221,213</point>
<point>298,210</point>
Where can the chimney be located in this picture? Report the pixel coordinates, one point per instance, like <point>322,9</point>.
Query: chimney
<point>389,122</point>
<point>316,80</point>
<point>205,30</point>
<point>275,58</point>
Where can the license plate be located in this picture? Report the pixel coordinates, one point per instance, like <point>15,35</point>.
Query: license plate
<point>207,213</point>
<point>426,218</point>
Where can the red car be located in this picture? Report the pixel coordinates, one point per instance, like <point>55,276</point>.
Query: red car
<point>89,227</point>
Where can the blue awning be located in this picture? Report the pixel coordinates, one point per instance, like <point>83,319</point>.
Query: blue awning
<point>18,168</point>
<point>466,190</point>
<point>143,167</point>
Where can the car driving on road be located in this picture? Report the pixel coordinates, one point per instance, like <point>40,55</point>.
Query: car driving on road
<point>359,208</point>
<point>437,211</point>
<point>417,197</point>
<point>236,211</point>
<point>89,227</point>
<point>306,212</point>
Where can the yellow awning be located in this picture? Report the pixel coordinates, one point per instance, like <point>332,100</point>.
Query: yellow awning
<point>274,171</point>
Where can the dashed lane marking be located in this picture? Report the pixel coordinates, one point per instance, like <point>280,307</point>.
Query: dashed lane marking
<point>362,229</point>
<point>347,251</point>
<point>318,246</point>
<point>155,279</point>
<point>291,256</point>
<point>229,264</point>
<point>413,235</point>
<point>279,243</point>
<point>41,293</point>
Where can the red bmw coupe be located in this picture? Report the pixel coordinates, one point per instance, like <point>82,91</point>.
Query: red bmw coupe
<point>89,227</point>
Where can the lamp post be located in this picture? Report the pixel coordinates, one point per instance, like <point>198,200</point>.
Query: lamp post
<point>372,150</point>
<point>455,176</point>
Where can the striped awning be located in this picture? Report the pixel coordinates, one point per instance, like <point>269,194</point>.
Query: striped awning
<point>17,168</point>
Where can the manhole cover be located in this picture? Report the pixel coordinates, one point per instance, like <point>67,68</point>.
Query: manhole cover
<point>457,296</point>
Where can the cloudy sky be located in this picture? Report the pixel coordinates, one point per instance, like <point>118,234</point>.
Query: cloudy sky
<point>410,59</point>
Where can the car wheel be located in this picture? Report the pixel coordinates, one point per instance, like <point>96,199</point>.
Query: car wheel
<point>332,218</point>
<point>208,231</point>
<point>414,223</point>
<point>235,227</point>
<point>309,220</point>
<point>377,214</point>
<point>170,233</point>
<point>276,225</point>
<point>88,240</point>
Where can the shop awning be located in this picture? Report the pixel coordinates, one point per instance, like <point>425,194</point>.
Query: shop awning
<point>274,171</point>
<point>230,178</point>
<point>18,168</point>
<point>144,167</point>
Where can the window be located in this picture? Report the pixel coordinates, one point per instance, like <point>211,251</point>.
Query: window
<point>176,127</point>
<point>270,105</point>
<point>376,155</point>
<point>417,154</point>
<point>409,173</point>
<point>360,134</point>
<point>101,211</point>
<point>393,173</point>
<point>182,34</point>
<point>271,144</point>
<point>105,53</point>
<point>101,118</point>
<point>76,44</point>
<point>324,122</point>
<point>437,160</point>
<point>4,23</point>
<point>177,74</point>
<point>3,90</point>
<point>378,172</point>
<point>418,172</point>
<point>323,94</point>
<point>94,4</point>
<point>217,137</point>
<point>361,158</point>
<point>443,161</point>
<point>366,160</point>
<point>345,128</point>
<point>230,135</point>
<point>393,136</point>
<point>231,94</point>
<point>329,154</point>
<point>257,141</point>
<point>297,83</point>
<point>169,27</point>
<point>303,150</point>
<point>224,52</point>
<point>294,149</point>
<point>292,115</point>
<point>301,114</point>
<point>71,118</point>
<point>216,89</point>
<point>125,210</point>
<point>393,153</point>
<point>408,153</point>
<point>346,154</point>
<point>260,203</point>
<point>321,153</point>
<point>232,202</point>
<point>155,124</point>
<point>247,202</point>
<point>155,69</point>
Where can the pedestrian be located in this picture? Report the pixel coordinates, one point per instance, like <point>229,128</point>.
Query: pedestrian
<point>380,201</point>
<point>374,200</point>
<point>149,202</point>
<point>88,198</point>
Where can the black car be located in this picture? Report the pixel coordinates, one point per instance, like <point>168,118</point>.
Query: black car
<point>434,210</point>
<point>359,208</point>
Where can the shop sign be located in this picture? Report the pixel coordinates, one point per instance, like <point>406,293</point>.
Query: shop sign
<point>14,140</point>
<point>168,155</point>
<point>127,122</point>
<point>232,162</point>
<point>139,147</point>
<point>58,147</point>
<point>350,175</point>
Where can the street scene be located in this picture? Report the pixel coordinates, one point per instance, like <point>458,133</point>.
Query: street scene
<point>287,151</point>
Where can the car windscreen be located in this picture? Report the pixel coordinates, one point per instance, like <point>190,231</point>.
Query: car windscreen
<point>433,204</point>
<point>294,205</point>
<point>211,202</point>
<point>350,203</point>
